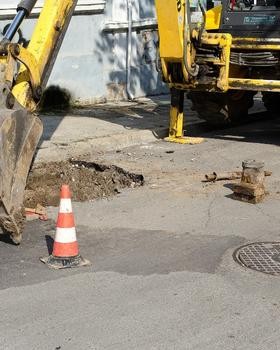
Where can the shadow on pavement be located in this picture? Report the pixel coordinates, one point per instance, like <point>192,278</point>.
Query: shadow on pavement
<point>49,243</point>
<point>259,128</point>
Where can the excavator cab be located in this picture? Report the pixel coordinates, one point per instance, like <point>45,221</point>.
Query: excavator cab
<point>23,75</point>
<point>255,18</point>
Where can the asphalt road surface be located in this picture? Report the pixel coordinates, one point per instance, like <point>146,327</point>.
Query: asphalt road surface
<point>162,273</point>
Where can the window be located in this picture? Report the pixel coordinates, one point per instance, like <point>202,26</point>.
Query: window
<point>255,5</point>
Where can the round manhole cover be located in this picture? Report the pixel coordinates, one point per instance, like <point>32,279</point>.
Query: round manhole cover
<point>260,256</point>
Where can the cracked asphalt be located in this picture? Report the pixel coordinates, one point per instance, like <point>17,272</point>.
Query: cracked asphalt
<point>162,273</point>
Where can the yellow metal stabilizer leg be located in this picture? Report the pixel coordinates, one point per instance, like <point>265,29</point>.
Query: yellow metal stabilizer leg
<point>176,133</point>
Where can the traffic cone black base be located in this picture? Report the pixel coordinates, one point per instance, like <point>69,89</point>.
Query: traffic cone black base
<point>56,263</point>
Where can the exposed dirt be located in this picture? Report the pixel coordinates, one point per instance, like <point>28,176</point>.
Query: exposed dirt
<point>87,181</point>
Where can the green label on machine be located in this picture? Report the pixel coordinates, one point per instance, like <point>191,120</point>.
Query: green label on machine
<point>260,20</point>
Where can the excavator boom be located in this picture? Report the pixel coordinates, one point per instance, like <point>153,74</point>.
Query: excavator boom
<point>23,75</point>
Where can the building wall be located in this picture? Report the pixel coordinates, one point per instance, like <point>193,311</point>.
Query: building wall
<point>92,63</point>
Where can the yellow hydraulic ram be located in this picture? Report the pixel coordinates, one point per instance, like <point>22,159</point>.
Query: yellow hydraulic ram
<point>190,48</point>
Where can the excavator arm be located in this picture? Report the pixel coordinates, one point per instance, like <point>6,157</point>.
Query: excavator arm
<point>23,75</point>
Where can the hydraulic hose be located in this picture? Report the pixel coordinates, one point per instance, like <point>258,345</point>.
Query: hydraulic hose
<point>23,11</point>
<point>27,6</point>
<point>202,28</point>
<point>129,50</point>
<point>192,69</point>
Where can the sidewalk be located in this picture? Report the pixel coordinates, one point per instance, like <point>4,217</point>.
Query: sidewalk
<point>112,126</point>
<point>106,127</point>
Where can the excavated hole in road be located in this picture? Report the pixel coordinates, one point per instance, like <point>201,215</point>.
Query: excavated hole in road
<point>87,181</point>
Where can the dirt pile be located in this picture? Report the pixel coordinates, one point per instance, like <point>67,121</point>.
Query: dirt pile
<point>88,181</point>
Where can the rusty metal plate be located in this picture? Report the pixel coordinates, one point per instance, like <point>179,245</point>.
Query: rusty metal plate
<point>260,256</point>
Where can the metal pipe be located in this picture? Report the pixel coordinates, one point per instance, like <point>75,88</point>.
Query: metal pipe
<point>23,10</point>
<point>26,5</point>
<point>191,68</point>
<point>202,27</point>
<point>14,26</point>
<point>129,50</point>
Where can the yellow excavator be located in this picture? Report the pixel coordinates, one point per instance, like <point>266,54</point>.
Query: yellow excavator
<point>23,76</point>
<point>221,53</point>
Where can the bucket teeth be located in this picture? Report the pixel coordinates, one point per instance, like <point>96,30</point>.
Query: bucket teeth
<point>13,224</point>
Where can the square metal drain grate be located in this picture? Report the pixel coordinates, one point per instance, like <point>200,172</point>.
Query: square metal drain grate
<point>260,256</point>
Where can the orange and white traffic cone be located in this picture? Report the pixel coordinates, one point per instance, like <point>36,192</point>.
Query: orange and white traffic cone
<point>65,249</point>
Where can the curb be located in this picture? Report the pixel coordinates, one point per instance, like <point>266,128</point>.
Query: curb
<point>54,151</point>
<point>61,150</point>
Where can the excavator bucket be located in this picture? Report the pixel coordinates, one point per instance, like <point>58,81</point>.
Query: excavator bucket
<point>20,132</point>
<point>23,74</point>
